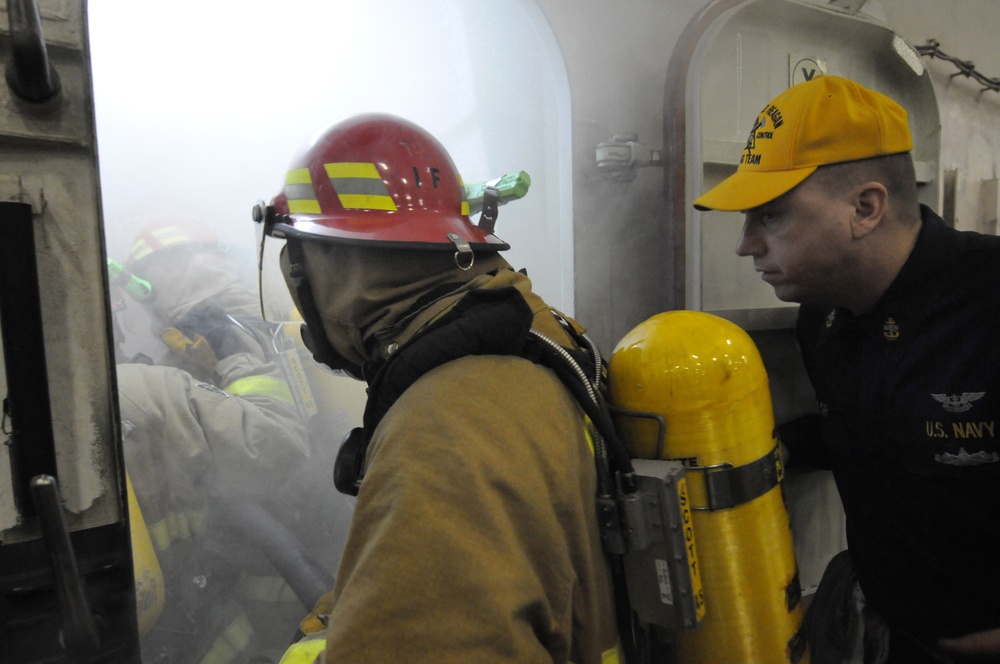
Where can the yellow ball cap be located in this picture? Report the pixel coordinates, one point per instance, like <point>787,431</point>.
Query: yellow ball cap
<point>827,120</point>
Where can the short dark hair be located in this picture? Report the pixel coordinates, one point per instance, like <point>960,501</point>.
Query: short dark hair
<point>894,171</point>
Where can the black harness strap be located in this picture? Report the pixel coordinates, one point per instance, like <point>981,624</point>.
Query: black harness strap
<point>484,322</point>
<point>498,322</point>
<point>728,486</point>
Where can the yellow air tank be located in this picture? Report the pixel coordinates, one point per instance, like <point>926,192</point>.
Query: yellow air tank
<point>705,376</point>
<point>149,594</point>
<point>336,400</point>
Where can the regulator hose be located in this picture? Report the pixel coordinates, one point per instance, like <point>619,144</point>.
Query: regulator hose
<point>308,579</point>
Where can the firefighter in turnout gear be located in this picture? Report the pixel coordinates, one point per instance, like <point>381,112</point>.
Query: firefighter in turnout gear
<point>215,447</point>
<point>475,535</point>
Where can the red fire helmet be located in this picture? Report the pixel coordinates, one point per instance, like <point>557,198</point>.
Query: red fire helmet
<point>377,178</point>
<point>167,233</point>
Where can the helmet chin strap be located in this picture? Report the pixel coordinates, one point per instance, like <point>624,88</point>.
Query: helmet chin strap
<point>312,332</point>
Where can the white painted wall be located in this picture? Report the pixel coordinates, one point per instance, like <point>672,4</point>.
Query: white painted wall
<point>202,104</point>
<point>970,117</point>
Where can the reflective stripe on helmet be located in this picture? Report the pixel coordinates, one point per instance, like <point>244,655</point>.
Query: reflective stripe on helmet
<point>359,186</point>
<point>167,233</point>
<point>265,386</point>
<point>156,239</point>
<point>381,179</point>
<point>140,249</point>
<point>300,192</point>
<point>465,210</point>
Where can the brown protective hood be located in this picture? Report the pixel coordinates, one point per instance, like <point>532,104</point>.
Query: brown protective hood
<point>363,293</point>
<point>542,320</point>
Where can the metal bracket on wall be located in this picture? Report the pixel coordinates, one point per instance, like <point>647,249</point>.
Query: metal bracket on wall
<point>619,158</point>
<point>851,7</point>
<point>12,190</point>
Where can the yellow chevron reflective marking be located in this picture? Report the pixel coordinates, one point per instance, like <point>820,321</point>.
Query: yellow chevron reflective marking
<point>300,193</point>
<point>298,176</point>
<point>366,202</point>
<point>303,207</point>
<point>166,236</point>
<point>465,201</point>
<point>170,235</point>
<point>352,169</point>
<point>140,250</point>
<point>359,186</point>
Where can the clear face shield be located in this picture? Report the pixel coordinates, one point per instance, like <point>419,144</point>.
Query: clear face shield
<point>276,304</point>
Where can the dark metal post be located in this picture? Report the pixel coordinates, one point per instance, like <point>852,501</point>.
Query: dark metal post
<point>27,405</point>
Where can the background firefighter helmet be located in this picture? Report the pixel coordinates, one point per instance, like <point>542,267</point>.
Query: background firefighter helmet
<point>377,178</point>
<point>167,233</point>
<point>188,265</point>
<point>185,269</point>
